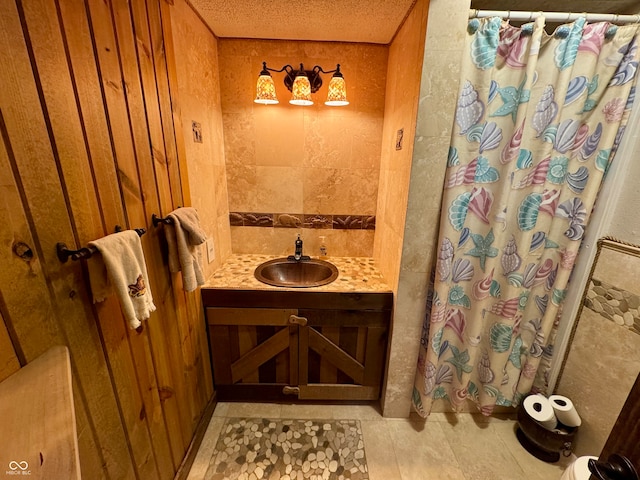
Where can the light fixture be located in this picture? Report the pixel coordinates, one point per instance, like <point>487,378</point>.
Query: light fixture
<point>337,96</point>
<point>266,89</point>
<point>301,83</point>
<point>301,89</point>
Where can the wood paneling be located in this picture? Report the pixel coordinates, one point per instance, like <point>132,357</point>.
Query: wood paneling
<point>88,142</point>
<point>9,362</point>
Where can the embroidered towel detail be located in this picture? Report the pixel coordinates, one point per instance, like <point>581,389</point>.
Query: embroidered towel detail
<point>183,237</point>
<point>121,268</point>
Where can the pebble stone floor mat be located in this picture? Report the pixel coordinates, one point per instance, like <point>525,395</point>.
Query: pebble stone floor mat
<point>258,448</point>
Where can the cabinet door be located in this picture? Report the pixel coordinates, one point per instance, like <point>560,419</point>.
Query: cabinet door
<point>342,354</point>
<point>252,346</point>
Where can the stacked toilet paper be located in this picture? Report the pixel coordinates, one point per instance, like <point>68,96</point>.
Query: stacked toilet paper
<point>549,411</point>
<point>565,411</point>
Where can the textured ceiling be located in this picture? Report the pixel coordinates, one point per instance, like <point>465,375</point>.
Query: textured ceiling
<point>369,21</point>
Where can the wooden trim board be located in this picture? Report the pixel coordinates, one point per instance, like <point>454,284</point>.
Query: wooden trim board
<point>307,299</point>
<point>38,419</point>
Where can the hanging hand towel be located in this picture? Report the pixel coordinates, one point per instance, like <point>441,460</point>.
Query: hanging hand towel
<point>183,236</point>
<point>121,267</point>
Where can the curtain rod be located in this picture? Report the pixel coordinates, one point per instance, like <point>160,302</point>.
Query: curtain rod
<point>554,16</point>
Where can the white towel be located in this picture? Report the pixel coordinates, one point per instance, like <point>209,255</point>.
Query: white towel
<point>183,236</point>
<point>121,267</point>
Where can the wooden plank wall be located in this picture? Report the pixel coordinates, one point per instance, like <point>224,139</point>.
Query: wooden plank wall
<point>9,362</point>
<point>88,142</point>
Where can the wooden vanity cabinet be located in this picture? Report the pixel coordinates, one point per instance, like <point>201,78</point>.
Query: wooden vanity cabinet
<point>332,346</point>
<point>341,354</point>
<point>252,346</point>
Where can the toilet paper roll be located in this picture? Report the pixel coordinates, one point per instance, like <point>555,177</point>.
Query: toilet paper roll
<point>539,408</point>
<point>565,411</point>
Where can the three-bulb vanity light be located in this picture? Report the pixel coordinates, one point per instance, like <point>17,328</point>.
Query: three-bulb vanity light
<point>301,83</point>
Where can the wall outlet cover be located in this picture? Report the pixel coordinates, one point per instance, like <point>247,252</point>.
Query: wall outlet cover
<point>211,253</point>
<point>196,127</point>
<point>399,138</point>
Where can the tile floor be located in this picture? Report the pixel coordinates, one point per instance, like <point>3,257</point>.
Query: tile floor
<point>463,447</point>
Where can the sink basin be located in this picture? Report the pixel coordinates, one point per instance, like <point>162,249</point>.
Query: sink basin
<point>283,272</point>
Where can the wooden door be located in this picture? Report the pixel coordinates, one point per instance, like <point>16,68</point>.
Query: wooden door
<point>254,352</point>
<point>342,354</point>
<point>624,438</point>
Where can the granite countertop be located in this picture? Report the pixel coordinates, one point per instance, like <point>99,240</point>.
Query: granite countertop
<point>356,274</point>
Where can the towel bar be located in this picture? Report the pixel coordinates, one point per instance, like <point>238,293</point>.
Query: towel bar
<point>156,220</point>
<point>85,252</point>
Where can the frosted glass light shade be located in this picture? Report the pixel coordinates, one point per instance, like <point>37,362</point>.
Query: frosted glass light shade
<point>266,91</point>
<point>337,96</point>
<point>301,91</point>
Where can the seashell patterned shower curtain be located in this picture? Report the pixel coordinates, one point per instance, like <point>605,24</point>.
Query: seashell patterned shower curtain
<point>538,121</point>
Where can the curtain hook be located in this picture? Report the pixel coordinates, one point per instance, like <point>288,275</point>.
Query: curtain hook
<point>531,15</point>
<point>569,16</point>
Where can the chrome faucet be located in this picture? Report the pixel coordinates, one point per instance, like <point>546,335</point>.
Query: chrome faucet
<point>298,256</point>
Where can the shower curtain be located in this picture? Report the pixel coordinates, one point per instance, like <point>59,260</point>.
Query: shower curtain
<point>538,120</point>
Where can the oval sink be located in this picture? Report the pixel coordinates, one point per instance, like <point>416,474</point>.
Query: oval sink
<point>283,272</point>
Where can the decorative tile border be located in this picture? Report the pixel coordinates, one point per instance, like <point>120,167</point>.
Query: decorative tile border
<point>615,304</point>
<point>299,220</point>
<point>258,448</point>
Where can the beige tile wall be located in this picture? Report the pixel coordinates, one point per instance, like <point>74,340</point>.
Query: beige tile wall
<point>598,389</point>
<point>403,84</point>
<point>602,361</point>
<point>400,113</point>
<point>619,269</point>
<point>199,100</point>
<point>415,239</point>
<point>291,159</point>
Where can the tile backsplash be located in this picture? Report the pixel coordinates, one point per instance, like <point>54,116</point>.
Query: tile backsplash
<point>293,220</point>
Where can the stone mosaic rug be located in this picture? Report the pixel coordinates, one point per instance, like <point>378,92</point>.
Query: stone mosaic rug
<point>257,448</point>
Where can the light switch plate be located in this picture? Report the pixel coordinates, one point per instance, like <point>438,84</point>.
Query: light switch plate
<point>211,253</point>
<point>399,138</point>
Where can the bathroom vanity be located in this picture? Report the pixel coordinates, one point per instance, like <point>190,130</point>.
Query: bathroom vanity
<point>319,343</point>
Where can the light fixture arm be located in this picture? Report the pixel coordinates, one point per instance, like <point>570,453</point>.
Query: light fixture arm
<point>291,73</point>
<point>336,72</point>
<point>266,70</point>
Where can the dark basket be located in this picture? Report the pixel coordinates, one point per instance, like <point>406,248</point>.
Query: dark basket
<point>546,445</point>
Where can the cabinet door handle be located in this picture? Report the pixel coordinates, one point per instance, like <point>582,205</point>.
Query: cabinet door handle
<point>298,320</point>
<point>291,390</point>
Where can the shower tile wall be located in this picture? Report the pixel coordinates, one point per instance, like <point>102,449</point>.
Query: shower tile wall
<point>414,239</point>
<point>615,304</point>
<point>603,362</point>
<point>302,160</point>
